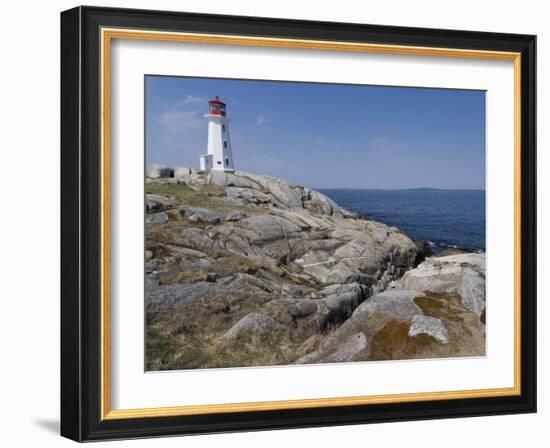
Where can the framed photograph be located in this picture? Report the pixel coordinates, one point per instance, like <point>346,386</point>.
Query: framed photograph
<point>274,223</point>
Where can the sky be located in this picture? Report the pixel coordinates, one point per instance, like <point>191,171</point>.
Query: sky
<point>325,135</point>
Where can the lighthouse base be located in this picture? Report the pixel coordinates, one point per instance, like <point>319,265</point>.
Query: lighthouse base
<point>206,162</point>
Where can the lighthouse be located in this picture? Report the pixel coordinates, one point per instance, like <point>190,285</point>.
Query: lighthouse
<point>219,156</point>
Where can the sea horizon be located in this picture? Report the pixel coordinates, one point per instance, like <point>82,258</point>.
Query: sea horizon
<point>443,218</point>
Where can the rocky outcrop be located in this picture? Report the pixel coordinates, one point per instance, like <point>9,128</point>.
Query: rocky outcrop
<point>368,319</point>
<point>252,323</point>
<point>157,218</point>
<point>462,274</point>
<point>348,349</point>
<point>250,270</point>
<point>305,237</point>
<point>157,203</point>
<point>197,214</point>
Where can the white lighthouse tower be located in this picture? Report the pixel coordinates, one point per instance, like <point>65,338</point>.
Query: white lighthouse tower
<point>219,156</point>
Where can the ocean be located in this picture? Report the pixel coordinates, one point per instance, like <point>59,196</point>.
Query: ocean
<point>443,218</point>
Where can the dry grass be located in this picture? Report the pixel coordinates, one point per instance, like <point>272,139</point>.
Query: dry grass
<point>222,264</point>
<point>221,267</point>
<point>183,193</point>
<point>208,196</point>
<point>191,336</point>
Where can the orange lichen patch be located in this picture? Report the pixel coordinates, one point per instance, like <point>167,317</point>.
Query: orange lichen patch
<point>441,306</point>
<point>393,342</point>
<point>465,335</point>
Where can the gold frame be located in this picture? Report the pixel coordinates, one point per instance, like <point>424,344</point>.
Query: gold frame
<point>107,35</point>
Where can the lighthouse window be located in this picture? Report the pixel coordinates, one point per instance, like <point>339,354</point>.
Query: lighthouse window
<point>225,143</point>
<point>219,163</point>
<point>226,161</point>
<point>223,127</point>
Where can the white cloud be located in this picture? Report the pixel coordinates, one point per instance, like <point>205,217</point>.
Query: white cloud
<point>259,122</point>
<point>191,100</point>
<point>181,120</point>
<point>183,117</point>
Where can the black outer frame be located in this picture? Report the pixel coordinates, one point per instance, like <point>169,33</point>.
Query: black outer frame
<point>80,223</point>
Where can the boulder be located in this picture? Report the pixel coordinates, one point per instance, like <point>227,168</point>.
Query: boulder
<point>197,214</point>
<point>157,202</point>
<point>157,218</point>
<point>252,323</point>
<point>318,202</point>
<point>234,216</point>
<point>462,274</point>
<point>429,325</point>
<point>392,304</point>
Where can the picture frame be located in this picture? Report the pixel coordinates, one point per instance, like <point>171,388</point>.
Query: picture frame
<point>86,209</point>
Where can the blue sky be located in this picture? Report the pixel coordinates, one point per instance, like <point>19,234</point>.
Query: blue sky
<point>325,135</point>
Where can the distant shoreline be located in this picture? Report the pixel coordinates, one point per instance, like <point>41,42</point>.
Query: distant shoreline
<point>400,189</point>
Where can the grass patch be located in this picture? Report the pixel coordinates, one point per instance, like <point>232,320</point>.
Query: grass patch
<point>208,196</point>
<point>211,197</point>
<point>183,193</point>
<point>223,266</point>
<point>191,336</point>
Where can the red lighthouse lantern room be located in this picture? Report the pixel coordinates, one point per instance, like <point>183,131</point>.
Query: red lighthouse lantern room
<point>217,107</point>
